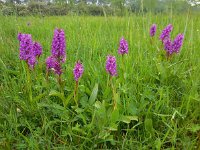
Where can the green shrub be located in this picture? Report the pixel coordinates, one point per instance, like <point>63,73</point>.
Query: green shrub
<point>23,13</point>
<point>108,10</point>
<point>41,8</point>
<point>36,8</point>
<point>7,11</point>
<point>56,10</point>
<point>21,10</point>
<point>1,5</point>
<point>81,9</point>
<point>95,10</point>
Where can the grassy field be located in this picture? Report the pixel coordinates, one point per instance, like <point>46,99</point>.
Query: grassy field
<point>158,100</point>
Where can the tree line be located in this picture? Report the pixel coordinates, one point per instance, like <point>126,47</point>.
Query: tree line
<point>95,7</point>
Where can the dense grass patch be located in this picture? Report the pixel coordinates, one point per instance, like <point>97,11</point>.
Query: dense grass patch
<point>158,100</point>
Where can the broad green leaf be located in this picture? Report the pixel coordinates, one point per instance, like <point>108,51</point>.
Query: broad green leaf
<point>148,125</point>
<point>114,115</point>
<point>87,91</point>
<point>131,108</point>
<point>128,119</point>
<point>158,143</point>
<point>93,95</point>
<point>117,98</point>
<point>113,127</point>
<point>135,118</point>
<point>84,101</point>
<point>125,119</point>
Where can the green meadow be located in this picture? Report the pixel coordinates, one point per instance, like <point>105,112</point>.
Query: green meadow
<point>157,99</point>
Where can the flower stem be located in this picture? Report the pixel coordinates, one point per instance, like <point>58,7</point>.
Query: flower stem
<point>60,83</point>
<point>168,55</point>
<point>151,41</point>
<point>76,93</point>
<point>29,83</point>
<point>123,67</point>
<point>114,94</point>
<point>47,75</point>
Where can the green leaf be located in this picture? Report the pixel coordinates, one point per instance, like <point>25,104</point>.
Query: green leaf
<point>52,106</point>
<point>79,110</point>
<point>37,98</point>
<point>194,128</point>
<point>83,117</point>
<point>61,96</point>
<point>57,94</point>
<point>1,61</point>
<point>131,108</point>
<point>158,143</point>
<point>106,92</point>
<point>113,127</point>
<point>84,101</point>
<point>127,119</point>
<point>148,125</point>
<point>114,115</point>
<point>93,95</point>
<point>13,72</point>
<point>56,109</point>
<point>77,129</point>
<point>104,134</point>
<point>135,118</point>
<point>68,99</point>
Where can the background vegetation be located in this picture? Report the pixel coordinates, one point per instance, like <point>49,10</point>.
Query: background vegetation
<point>95,7</point>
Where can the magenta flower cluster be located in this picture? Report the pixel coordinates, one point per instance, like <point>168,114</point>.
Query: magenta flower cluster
<point>123,47</point>
<point>28,49</point>
<point>59,45</point>
<point>175,46</point>
<point>25,46</point>
<point>32,61</point>
<point>153,30</point>
<point>78,70</point>
<point>52,63</point>
<point>169,45</point>
<point>37,49</point>
<point>111,65</point>
<point>166,32</point>
<point>178,42</point>
<point>58,54</point>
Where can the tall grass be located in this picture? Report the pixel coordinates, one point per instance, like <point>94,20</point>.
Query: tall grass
<point>158,100</point>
